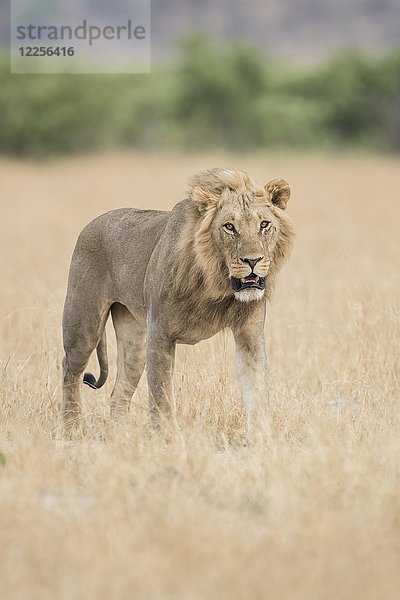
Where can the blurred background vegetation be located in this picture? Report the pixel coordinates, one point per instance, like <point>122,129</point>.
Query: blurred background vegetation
<point>211,98</point>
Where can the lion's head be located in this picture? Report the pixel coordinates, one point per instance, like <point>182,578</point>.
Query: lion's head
<point>240,233</point>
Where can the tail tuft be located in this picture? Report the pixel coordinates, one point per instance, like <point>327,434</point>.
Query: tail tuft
<point>101,349</point>
<point>90,380</point>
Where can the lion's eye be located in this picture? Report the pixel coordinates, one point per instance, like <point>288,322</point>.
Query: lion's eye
<point>265,224</point>
<point>230,227</point>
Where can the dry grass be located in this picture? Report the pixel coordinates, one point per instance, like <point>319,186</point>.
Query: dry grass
<point>312,512</point>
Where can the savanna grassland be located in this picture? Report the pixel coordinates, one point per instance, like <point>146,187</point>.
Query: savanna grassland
<point>311,512</point>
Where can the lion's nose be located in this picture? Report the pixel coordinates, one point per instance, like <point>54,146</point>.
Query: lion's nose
<point>251,261</point>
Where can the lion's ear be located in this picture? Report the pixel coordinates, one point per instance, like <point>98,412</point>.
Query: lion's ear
<point>203,198</point>
<point>279,192</point>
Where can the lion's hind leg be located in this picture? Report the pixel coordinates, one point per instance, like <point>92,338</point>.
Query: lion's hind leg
<point>131,343</point>
<point>80,339</point>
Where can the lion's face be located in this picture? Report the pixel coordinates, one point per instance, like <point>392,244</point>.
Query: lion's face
<point>246,236</point>
<point>243,235</point>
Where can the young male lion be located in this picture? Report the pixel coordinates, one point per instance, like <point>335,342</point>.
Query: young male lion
<point>176,277</point>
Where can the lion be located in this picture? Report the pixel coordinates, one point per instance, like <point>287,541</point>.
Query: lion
<point>176,277</point>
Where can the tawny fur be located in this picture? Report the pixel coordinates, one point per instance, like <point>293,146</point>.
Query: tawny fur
<point>167,279</point>
<point>200,270</point>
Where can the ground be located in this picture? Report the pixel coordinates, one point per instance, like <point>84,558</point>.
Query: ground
<point>313,511</point>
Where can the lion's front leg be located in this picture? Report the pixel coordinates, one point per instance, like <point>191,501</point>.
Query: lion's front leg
<point>160,366</point>
<point>251,371</point>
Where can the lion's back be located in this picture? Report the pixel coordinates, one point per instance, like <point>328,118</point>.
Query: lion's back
<point>116,247</point>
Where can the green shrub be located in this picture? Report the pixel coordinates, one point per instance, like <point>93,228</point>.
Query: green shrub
<point>229,98</point>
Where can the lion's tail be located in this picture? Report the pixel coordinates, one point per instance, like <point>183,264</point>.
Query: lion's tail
<point>101,350</point>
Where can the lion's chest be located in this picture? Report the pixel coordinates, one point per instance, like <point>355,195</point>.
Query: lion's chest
<point>192,322</point>
<point>195,335</point>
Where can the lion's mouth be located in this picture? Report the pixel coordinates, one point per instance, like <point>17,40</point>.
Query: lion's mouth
<point>250,281</point>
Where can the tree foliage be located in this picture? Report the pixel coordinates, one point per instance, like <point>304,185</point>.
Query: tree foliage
<point>229,98</point>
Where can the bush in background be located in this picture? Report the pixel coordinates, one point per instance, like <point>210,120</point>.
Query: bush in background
<point>228,98</point>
